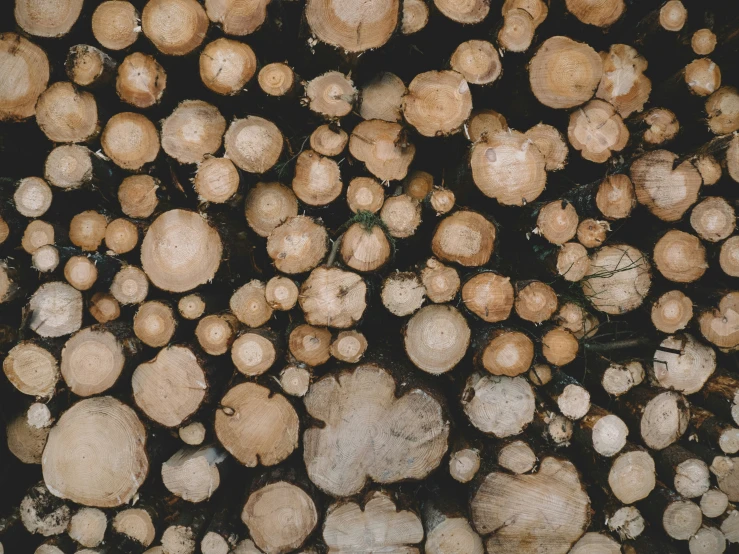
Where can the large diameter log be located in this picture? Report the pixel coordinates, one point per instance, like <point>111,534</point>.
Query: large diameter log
<point>379,526</point>
<point>388,440</point>
<point>180,251</point>
<point>280,517</point>
<point>506,509</point>
<point>47,18</point>
<point>618,280</point>
<point>564,73</point>
<point>26,70</point>
<point>256,426</point>
<point>353,25</point>
<point>96,454</point>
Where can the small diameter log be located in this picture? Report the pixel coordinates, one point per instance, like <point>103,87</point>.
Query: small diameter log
<point>564,73</point>
<point>680,257</point>
<point>627,522</point>
<point>43,18</point>
<point>332,94</point>
<point>130,140</point>
<point>557,222</point>
<point>615,197</point>
<point>297,245</point>
<point>180,251</point>
<point>317,180</point>
<point>175,27</point>
<point>632,475</point>
<point>662,126</point>
<point>295,380</point>
<point>437,103</point>
<point>32,197</point>
<point>68,166</point>
<point>415,16</point>
<point>381,145</point>
<point>27,433</point>
<point>618,280</point>
<point>477,61</point>
<point>418,185</point>
<point>572,261</point>
<point>253,143</point>
<point>722,108</point>
<point>137,196</point>
<point>483,124</point>
<point>130,286</point>
<point>276,79</point>
<point>509,167</point>
<point>597,131</point>
<point>227,65</point>
<point>191,306</point>
<point>66,114</point>
<point>596,542</point>
<point>402,293</point>
<point>193,131</point>
<point>517,457</point>
<point>351,26</point>
<point>466,13</point>
<point>602,431</point>
<point>365,194</point>
<point>376,527</point>
<point>115,24</point>
<point>22,89</point>
<point>215,333</point>
<point>672,16</point>
<point>685,471</point>
<point>537,9</point>
<point>171,387</point>
<point>551,144</point>
<point>96,454</point>
<point>702,76</point>
<point>559,346</point>
<point>349,346</point>
<point>328,140</point>
<point>332,297</point>
<point>249,304</point>
<point>45,260</point>
<point>572,399</point>
<point>487,295</point>
<point>87,527</point>
<point>154,323</point>
<point>104,307</point>
<point>192,473</point>
<point>729,257</point>
<point>253,353</point>
<point>596,12</point>
<point>192,434</point>
<point>499,405</point>
<point>442,200</point>
<point>463,464</point>
<point>672,312</point>
<point>92,361</point>
<point>517,32</point>
<point>340,458</point>
<point>713,219</point>
<point>679,518</point>
<point>576,320</point>
<point>662,417</point>
<point>382,98</point>
<point>256,426</point>
<point>310,345</point>
<point>592,233</point>
<point>401,215</point>
<point>135,524</point>
<point>441,282</point>
<point>504,508</point>
<point>624,84</point>
<point>713,503</point>
<point>37,234</point>
<point>56,310</point>
<point>437,338</point>
<point>88,66</point>
<point>703,42</point>
<point>535,302</point>
<point>507,353</point>
<point>721,326</point>
<point>43,513</point>
<point>141,80</point>
<point>121,236</point>
<point>464,237</point>
<point>87,230</point>
<point>281,293</point>
<point>725,469</point>
<point>619,379</point>
<point>683,364</point>
<point>269,205</point>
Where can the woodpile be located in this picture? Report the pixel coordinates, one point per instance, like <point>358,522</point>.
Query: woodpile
<point>351,277</point>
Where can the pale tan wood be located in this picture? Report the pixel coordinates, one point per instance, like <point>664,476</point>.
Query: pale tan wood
<point>226,66</point>
<point>121,236</point>
<point>333,297</point>
<point>401,215</point>
<point>672,312</point>
<point>154,323</point>
<point>729,257</point>
<point>702,76</point>
<point>116,24</point>
<point>464,237</point>
<point>666,191</point>
<point>295,380</point>
<point>615,197</point>
<point>47,18</point>
<point>721,326</point>
<point>498,405</point>
<point>618,280</point>
<point>535,301</point>
<point>352,25</point>
<point>253,354</point>
<point>68,166</point>
<point>276,79</point>
<point>722,108</point>
<point>402,293</point>
<point>713,219</point>
<point>269,205</point>
<point>249,304</point>
<point>365,194</point>
<point>673,15</point>
<point>31,369</point>
<point>87,527</point>
<point>507,353</point>
<point>193,131</point>
<point>310,345</point>
<point>437,338</point>
<point>137,524</point>
<point>557,222</point>
<point>92,361</point>
<point>137,195</point>
<point>703,42</point>
<point>66,114</point>
<point>141,80</point>
<point>88,66</point>
<point>477,61</point>
<point>551,144</point>
<point>104,307</point>
<point>130,285</point>
<point>56,310</point>
<point>437,103</point>
<point>237,18</point>
<point>26,70</point>
<point>487,295</point>
<point>281,293</point>
<point>130,140</point>
<point>517,32</point>
<point>317,180</point>
<point>601,13</point>
<point>573,263</point>
<point>483,124</point>
<point>680,257</point>
<point>26,438</point>
<point>415,16</point>
<point>176,27</point>
<point>192,433</point>
<point>381,146</point>
<point>559,347</point>
<point>332,94</point>
<point>217,180</point>
<point>192,473</point>
<point>191,306</point>
<point>87,230</point>
<point>597,131</point>
<point>382,98</point>
<point>37,234</point>
<point>349,346</point>
<point>297,245</point>
<point>470,12</point>
<point>592,233</point>
<point>365,248</point>
<point>328,140</point>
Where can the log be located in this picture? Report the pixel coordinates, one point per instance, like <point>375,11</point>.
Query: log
<point>87,527</point>
<point>499,405</point>
<point>403,294</point>
<point>276,79</point>
<point>380,145</point>
<point>253,143</point>
<point>596,12</point>
<point>672,312</point>
<point>436,338</point>
<point>618,279</point>
<point>215,333</point>
<point>507,353</point>
<point>487,295</point>
<point>597,131</point>
<point>115,24</point>
<point>92,361</point>
<point>192,473</point>
<point>141,81</point>
<point>176,27</point>
<point>477,61</point>
<point>226,66</point>
<point>437,103</point>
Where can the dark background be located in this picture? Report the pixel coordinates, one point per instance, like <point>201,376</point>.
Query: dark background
<point>23,149</point>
